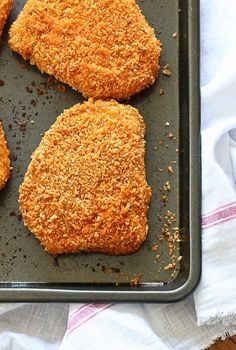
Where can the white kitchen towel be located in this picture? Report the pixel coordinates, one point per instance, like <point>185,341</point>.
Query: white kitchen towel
<point>32,326</point>
<point>211,312</point>
<point>139,326</point>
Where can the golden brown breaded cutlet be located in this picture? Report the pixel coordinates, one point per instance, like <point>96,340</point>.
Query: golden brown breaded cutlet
<point>85,188</point>
<point>4,160</point>
<point>102,48</point>
<point>5,7</point>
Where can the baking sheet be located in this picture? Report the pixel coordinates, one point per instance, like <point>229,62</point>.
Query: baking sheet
<point>29,105</point>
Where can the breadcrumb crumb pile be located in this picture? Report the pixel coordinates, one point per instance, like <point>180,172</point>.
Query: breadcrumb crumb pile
<point>5,7</point>
<point>4,160</point>
<point>85,188</point>
<point>102,48</point>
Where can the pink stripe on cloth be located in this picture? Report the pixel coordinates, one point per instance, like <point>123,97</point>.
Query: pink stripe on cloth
<point>79,309</point>
<point>217,209</point>
<point>221,221</point>
<point>221,215</point>
<point>84,314</point>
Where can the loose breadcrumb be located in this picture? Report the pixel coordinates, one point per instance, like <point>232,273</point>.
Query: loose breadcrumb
<point>167,186</point>
<point>162,92</point>
<point>170,266</point>
<point>166,70</point>
<point>154,247</point>
<point>135,281</point>
<point>5,7</point>
<point>4,160</point>
<point>170,169</point>
<point>104,49</point>
<point>85,189</point>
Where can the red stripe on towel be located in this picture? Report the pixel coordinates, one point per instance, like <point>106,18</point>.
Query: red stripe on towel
<point>76,310</point>
<point>219,216</point>
<point>84,314</point>
<point>217,209</point>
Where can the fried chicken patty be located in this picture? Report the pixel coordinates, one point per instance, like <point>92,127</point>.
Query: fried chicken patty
<point>5,7</point>
<point>4,160</point>
<point>102,48</point>
<point>85,188</point>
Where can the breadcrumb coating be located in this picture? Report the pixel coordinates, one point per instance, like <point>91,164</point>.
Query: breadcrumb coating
<point>5,7</point>
<point>85,188</point>
<point>4,160</point>
<point>102,48</point>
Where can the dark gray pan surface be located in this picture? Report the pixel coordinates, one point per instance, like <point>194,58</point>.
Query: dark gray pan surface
<point>29,105</point>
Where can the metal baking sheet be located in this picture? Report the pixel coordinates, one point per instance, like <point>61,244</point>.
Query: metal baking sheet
<point>163,269</point>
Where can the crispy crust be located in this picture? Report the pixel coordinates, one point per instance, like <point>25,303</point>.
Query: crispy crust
<point>102,48</point>
<point>4,160</point>
<point>85,188</point>
<point>5,7</point>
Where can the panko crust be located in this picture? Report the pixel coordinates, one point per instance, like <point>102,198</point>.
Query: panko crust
<point>102,48</point>
<point>5,7</point>
<point>4,160</point>
<point>85,188</point>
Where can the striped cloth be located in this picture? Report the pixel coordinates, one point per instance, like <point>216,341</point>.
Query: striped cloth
<point>220,215</point>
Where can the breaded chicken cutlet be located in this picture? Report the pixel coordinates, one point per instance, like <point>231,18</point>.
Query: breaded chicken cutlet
<point>85,188</point>
<point>105,49</point>
<point>5,7</point>
<point>4,160</point>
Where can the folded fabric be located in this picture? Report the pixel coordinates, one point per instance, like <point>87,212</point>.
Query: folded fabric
<point>140,326</point>
<point>34,326</point>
